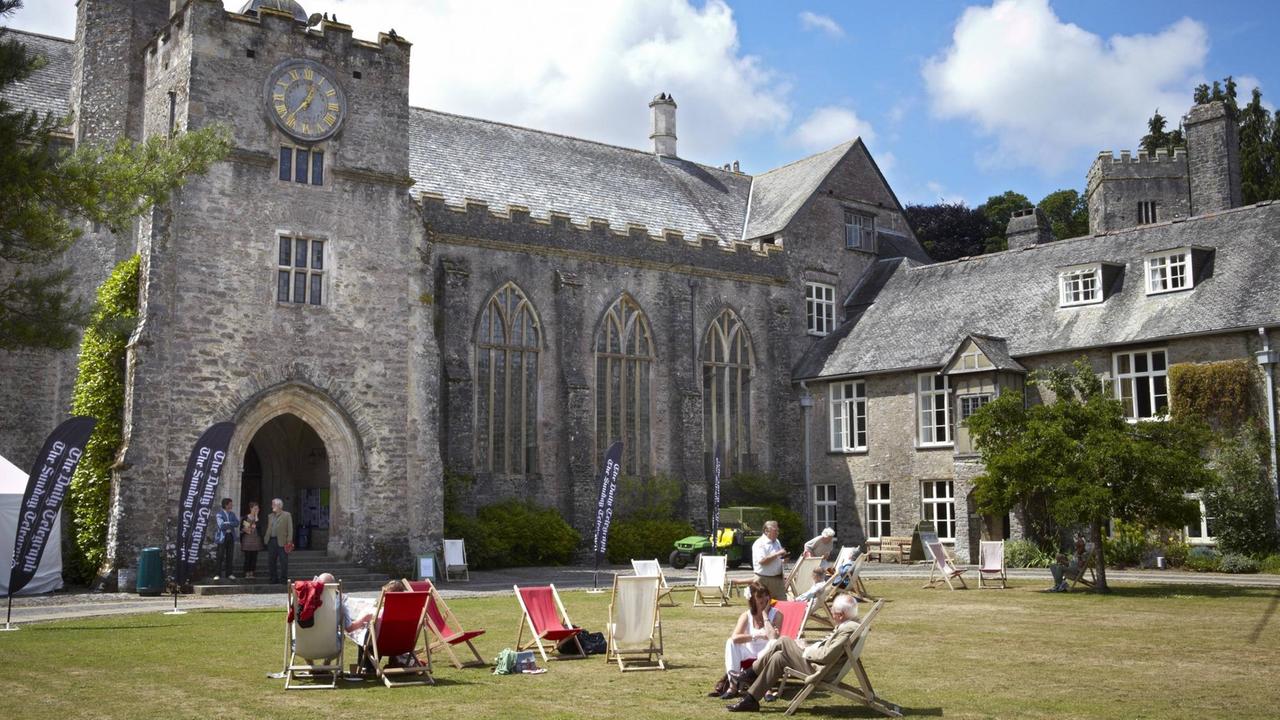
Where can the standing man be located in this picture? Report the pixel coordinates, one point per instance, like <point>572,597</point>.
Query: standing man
<point>766,559</point>
<point>279,541</point>
<point>225,538</point>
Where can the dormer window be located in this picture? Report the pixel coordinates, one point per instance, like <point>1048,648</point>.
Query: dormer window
<point>1080,285</point>
<point>859,231</point>
<point>1169,271</point>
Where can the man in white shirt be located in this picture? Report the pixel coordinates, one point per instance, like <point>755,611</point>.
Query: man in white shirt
<point>766,560</point>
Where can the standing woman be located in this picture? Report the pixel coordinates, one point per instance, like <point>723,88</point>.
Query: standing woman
<point>755,628</point>
<point>250,540</point>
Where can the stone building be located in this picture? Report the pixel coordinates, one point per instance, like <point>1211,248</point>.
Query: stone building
<point>374,292</point>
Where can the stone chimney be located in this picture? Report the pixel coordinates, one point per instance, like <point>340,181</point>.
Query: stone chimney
<point>1027,228</point>
<point>664,125</point>
<point>1213,158</point>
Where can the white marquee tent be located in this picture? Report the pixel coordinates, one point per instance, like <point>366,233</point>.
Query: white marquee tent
<point>13,484</point>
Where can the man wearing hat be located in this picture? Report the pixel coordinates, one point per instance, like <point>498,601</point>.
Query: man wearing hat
<point>821,546</point>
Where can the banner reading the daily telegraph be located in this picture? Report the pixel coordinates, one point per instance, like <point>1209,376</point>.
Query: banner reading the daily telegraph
<point>200,486</point>
<point>718,463</point>
<point>46,487</point>
<point>604,506</point>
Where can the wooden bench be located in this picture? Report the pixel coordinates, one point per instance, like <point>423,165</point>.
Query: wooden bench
<point>896,547</point>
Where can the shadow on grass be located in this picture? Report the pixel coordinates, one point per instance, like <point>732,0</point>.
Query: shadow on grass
<point>112,628</point>
<point>1266,617</point>
<point>1168,591</point>
<point>858,711</point>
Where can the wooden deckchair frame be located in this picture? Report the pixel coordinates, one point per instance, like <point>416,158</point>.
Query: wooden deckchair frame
<point>1088,564</point>
<point>721,592</point>
<point>821,607</point>
<point>450,569</point>
<point>991,577</point>
<point>648,658</point>
<point>664,590</point>
<point>801,576</point>
<point>441,642</point>
<point>293,670</point>
<point>830,677</point>
<point>536,638</point>
<point>391,676</point>
<point>943,570</point>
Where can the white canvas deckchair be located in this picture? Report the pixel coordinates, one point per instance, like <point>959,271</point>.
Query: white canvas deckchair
<point>830,677</point>
<point>315,651</point>
<point>801,577</point>
<point>651,568</point>
<point>712,582</point>
<point>634,630</point>
<point>845,555</point>
<point>991,564</point>
<point>455,560</point>
<point>851,582</point>
<point>942,569</point>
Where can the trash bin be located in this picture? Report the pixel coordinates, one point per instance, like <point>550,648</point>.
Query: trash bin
<point>150,572</point>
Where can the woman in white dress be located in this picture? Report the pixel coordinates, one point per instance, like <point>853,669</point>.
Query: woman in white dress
<point>756,627</point>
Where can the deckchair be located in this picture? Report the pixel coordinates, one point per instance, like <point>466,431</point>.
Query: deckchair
<point>455,559</point>
<point>1087,565</point>
<point>634,631</point>
<point>801,577</point>
<point>830,677</point>
<point>316,650</point>
<point>445,627</point>
<point>542,612</point>
<point>651,568</point>
<point>712,582</point>
<point>845,555</point>
<point>820,614</point>
<point>398,622</point>
<point>795,613</point>
<point>991,564</point>
<point>942,569</point>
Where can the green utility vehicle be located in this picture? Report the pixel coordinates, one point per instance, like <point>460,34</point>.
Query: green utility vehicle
<point>739,528</point>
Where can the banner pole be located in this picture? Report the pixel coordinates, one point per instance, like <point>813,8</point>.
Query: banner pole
<point>175,610</point>
<point>8,616</point>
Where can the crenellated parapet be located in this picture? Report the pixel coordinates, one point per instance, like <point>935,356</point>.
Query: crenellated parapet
<point>1129,165</point>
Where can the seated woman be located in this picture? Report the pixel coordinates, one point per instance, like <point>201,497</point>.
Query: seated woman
<point>755,628</point>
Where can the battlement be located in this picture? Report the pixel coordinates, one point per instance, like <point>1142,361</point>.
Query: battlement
<point>1131,166</point>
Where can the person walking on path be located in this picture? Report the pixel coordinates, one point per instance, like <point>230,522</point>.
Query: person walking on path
<point>225,537</point>
<point>279,541</point>
<point>766,560</point>
<point>250,541</point>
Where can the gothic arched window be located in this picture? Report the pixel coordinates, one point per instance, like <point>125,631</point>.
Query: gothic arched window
<point>624,360</point>
<point>508,337</point>
<point>727,365</point>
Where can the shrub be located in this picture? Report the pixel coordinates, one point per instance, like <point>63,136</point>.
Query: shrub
<point>652,498</point>
<point>751,488</point>
<point>791,529</point>
<point>1242,502</point>
<point>1236,563</point>
<point>1025,554</point>
<point>645,539</point>
<point>1175,553</point>
<point>1270,564</point>
<point>514,534</point>
<point>1202,559</point>
<point>1128,544</point>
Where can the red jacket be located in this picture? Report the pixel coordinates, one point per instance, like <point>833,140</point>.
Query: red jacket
<point>308,593</point>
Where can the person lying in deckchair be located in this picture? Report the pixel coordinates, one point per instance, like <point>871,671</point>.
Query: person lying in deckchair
<point>796,654</point>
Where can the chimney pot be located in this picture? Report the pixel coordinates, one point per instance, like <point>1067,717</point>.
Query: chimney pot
<point>1027,227</point>
<point>664,125</point>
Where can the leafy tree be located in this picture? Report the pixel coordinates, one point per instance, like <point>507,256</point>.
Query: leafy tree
<point>1243,503</point>
<point>49,191</point>
<point>1068,213</point>
<point>1259,161</point>
<point>949,230</point>
<point>1156,137</point>
<point>998,209</point>
<point>1084,462</point>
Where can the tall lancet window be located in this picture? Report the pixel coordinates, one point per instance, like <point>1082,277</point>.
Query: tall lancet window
<point>508,338</point>
<point>624,362</point>
<point>727,365</point>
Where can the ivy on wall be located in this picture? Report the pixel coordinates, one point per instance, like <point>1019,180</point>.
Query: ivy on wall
<point>99,393</point>
<point>1223,393</point>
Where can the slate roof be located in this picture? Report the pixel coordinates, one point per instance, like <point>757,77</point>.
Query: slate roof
<point>47,90</point>
<point>777,195</point>
<point>996,349</point>
<point>908,316</point>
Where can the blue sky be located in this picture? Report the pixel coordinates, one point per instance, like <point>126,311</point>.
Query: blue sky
<point>956,100</point>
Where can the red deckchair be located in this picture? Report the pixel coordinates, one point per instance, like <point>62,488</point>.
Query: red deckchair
<point>794,615</point>
<point>446,628</point>
<point>398,623</point>
<point>542,613</point>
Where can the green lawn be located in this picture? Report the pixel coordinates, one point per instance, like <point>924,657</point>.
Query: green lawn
<point>1142,652</point>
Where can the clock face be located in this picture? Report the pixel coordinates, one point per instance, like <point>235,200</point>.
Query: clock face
<point>304,101</point>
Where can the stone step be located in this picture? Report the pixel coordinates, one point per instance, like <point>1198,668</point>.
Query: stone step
<point>355,584</point>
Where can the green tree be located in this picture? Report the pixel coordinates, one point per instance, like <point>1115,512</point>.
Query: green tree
<point>1068,213</point>
<point>1258,161</point>
<point>1242,502</point>
<point>998,209</point>
<point>49,192</point>
<point>949,230</point>
<point>1156,137</point>
<point>1080,458</point>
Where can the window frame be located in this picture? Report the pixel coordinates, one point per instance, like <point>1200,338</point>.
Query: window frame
<point>1167,260</point>
<point>1132,407</point>
<point>1148,212</point>
<point>936,501</point>
<point>626,321</point>
<point>1206,522</point>
<point>309,271</point>
<point>933,392</point>
<point>847,416</point>
<point>728,365</point>
<point>814,320</point>
<point>879,523</point>
<point>304,172</point>
<point>864,229</point>
<point>1079,272</point>
<point>507,309</point>
<point>825,509</point>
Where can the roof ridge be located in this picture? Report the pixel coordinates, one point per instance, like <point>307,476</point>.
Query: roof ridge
<point>809,157</point>
<point>578,139</point>
<point>5,30</point>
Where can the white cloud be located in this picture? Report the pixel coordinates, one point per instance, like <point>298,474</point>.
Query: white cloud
<point>829,126</point>
<point>823,23</point>
<point>1045,90</point>
<point>47,18</point>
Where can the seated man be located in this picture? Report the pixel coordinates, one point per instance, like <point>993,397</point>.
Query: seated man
<point>356,614</point>
<point>788,653</point>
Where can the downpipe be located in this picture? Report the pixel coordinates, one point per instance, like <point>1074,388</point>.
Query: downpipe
<point>1268,358</point>
<point>806,406</point>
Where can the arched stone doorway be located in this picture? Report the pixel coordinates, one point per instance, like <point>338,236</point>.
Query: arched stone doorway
<point>293,441</point>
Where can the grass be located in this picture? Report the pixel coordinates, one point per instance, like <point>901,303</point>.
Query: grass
<point>1141,652</point>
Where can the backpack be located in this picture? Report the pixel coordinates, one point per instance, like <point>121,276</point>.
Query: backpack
<point>505,663</point>
<point>592,643</point>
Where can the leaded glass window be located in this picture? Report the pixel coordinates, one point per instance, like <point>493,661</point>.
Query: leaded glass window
<point>624,362</point>
<point>727,365</point>
<point>508,339</point>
